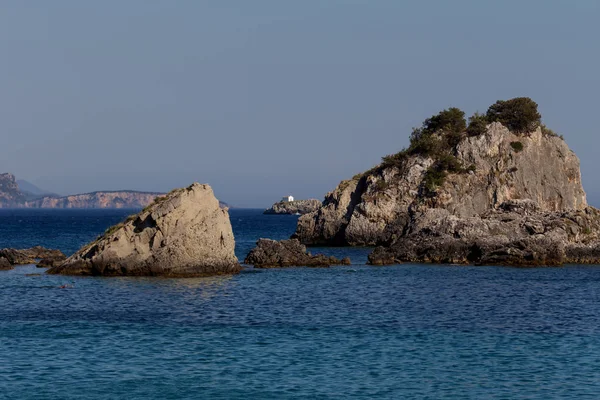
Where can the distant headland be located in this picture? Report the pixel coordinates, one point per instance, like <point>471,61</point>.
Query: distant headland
<point>12,196</point>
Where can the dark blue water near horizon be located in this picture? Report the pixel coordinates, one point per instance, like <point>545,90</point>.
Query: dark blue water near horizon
<point>357,332</point>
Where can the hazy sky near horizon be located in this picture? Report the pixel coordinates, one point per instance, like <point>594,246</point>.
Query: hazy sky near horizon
<point>265,98</point>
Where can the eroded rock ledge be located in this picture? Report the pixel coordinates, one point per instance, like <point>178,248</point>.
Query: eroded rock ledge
<point>516,234</point>
<point>184,233</point>
<point>286,253</point>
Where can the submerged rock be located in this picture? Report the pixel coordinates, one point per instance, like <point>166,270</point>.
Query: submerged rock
<point>286,253</point>
<point>294,207</point>
<point>184,233</point>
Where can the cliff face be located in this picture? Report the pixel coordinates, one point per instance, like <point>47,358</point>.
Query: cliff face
<point>293,207</point>
<point>499,166</point>
<point>185,233</point>
<point>9,191</point>
<point>120,199</point>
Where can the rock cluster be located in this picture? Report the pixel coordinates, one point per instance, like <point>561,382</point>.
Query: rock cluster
<point>30,256</point>
<point>515,204</point>
<point>294,207</point>
<point>286,253</point>
<point>184,233</point>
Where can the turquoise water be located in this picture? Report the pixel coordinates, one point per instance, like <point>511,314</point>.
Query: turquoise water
<point>358,332</point>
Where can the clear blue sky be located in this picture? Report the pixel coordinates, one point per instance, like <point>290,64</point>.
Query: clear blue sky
<point>265,98</point>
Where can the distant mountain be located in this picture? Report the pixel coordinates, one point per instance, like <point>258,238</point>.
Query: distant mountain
<point>28,187</point>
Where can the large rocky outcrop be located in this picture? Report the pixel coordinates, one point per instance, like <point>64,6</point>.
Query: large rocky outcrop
<point>515,199</point>
<point>185,233</point>
<point>287,253</point>
<point>294,207</point>
<point>378,207</point>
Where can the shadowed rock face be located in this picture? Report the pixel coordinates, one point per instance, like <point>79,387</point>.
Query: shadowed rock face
<point>378,207</point>
<point>185,233</point>
<point>286,253</point>
<point>5,265</point>
<point>293,207</point>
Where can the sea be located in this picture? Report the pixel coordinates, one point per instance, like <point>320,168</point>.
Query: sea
<point>350,332</point>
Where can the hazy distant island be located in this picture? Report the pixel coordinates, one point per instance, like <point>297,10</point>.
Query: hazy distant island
<point>12,196</point>
<point>502,189</point>
<point>288,205</point>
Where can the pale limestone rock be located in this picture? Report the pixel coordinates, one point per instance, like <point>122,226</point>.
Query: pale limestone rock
<point>185,233</point>
<point>382,205</point>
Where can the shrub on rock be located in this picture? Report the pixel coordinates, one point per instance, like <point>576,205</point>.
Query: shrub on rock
<point>477,125</point>
<point>520,114</point>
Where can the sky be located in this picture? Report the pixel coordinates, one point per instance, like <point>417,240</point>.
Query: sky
<point>261,99</point>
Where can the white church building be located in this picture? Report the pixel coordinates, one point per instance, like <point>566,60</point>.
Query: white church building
<point>287,199</point>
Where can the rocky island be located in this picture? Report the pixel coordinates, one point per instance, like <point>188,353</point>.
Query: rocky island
<point>503,189</point>
<point>294,207</point>
<point>185,233</point>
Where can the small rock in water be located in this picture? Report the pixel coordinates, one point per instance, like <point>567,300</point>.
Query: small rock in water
<point>286,253</point>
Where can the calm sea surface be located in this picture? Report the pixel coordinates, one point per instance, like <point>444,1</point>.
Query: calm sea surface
<point>358,332</point>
